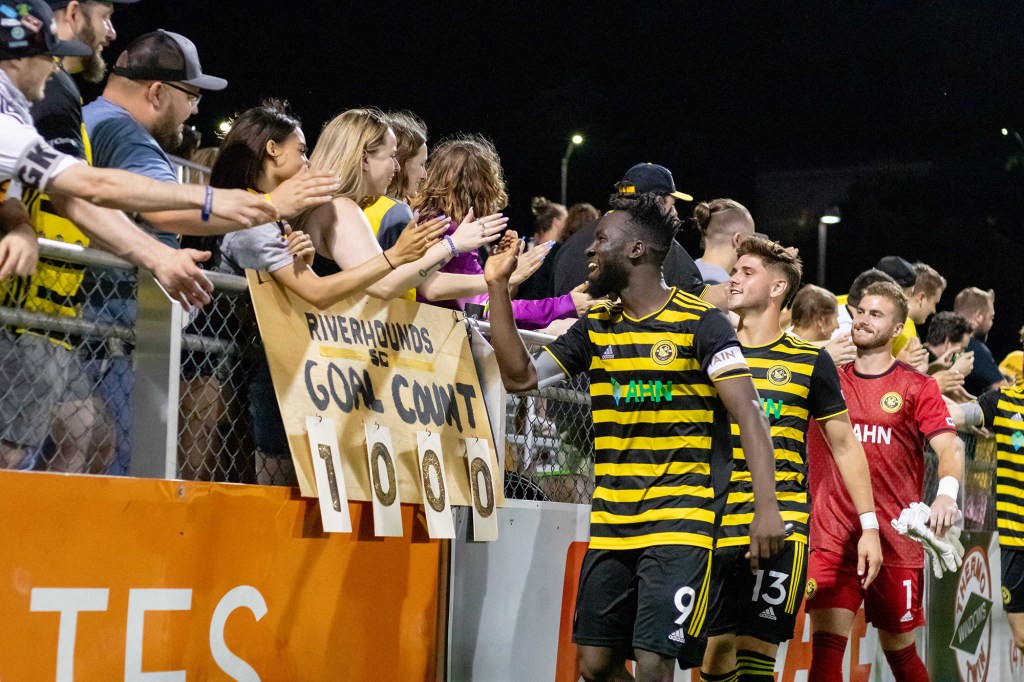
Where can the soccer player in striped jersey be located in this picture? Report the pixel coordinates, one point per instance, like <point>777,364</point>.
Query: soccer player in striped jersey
<point>665,368</point>
<point>751,613</point>
<point>1004,415</point>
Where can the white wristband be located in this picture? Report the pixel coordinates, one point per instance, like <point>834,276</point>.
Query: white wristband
<point>868,521</point>
<point>948,486</point>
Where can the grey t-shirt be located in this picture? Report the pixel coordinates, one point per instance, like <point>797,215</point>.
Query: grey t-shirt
<point>260,248</point>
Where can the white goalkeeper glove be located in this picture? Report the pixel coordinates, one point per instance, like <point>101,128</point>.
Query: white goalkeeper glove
<point>945,554</point>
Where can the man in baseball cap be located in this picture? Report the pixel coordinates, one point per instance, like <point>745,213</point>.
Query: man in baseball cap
<point>678,268</point>
<point>28,43</point>
<point>650,177</point>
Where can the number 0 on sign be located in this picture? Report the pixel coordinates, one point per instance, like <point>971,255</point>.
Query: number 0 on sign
<point>485,513</point>
<point>387,507</point>
<point>434,484</point>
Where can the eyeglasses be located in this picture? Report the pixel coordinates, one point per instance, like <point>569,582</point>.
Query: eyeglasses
<point>193,97</point>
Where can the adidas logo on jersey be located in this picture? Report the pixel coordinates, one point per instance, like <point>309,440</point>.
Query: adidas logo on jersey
<point>768,613</point>
<point>607,354</point>
<point>907,617</point>
<point>1017,417</point>
<point>678,636</point>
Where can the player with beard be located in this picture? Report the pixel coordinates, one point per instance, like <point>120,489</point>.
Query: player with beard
<point>665,376</point>
<point>751,613</point>
<point>894,410</point>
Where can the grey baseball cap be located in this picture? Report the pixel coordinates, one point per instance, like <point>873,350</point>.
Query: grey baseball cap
<point>165,56</point>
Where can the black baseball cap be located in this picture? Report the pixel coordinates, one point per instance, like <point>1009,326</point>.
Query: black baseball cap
<point>899,269</point>
<point>165,56</point>
<point>28,29</point>
<point>650,177</point>
<point>61,4</point>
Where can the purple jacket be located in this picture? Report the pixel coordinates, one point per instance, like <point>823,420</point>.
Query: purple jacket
<point>528,314</point>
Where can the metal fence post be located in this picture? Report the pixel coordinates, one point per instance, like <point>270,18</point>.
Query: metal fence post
<point>157,374</point>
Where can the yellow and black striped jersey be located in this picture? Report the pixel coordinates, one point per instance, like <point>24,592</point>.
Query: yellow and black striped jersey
<point>1004,415</point>
<point>659,426</point>
<point>795,381</point>
<point>55,287</point>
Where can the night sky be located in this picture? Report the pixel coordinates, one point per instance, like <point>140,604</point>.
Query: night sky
<point>723,93</point>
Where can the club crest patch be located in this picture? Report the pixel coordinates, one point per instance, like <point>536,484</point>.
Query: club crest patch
<point>892,402</point>
<point>811,589</point>
<point>663,352</point>
<point>779,375</point>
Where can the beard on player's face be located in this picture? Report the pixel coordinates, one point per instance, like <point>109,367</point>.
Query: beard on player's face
<point>866,337</point>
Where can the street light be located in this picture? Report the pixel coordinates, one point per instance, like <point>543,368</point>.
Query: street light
<point>831,217</point>
<point>576,139</point>
<point>224,126</point>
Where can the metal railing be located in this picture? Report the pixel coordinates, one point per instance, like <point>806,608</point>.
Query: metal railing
<point>123,382</point>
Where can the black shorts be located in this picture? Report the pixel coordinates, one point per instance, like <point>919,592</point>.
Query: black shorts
<point>761,605</point>
<point>653,599</point>
<point>1011,563</point>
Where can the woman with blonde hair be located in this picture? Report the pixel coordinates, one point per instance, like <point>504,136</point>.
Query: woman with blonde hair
<point>265,148</point>
<point>391,213</point>
<point>360,147</point>
<point>464,175</point>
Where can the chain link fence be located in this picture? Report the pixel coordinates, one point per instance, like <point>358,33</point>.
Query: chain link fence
<point>978,494</point>
<point>69,373</point>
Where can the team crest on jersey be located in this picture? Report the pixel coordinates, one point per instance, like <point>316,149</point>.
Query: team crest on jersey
<point>892,402</point>
<point>663,352</point>
<point>779,375</point>
<point>811,589</point>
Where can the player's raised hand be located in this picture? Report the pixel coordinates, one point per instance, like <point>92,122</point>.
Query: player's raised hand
<point>869,556</point>
<point>502,262</point>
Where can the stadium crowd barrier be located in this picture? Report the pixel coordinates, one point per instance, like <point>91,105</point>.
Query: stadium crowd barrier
<point>244,579</point>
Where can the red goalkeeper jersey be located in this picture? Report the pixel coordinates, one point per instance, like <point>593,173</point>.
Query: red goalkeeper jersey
<point>893,415</point>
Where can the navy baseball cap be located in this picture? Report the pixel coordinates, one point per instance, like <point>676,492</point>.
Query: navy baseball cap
<point>899,269</point>
<point>61,4</point>
<point>650,177</point>
<point>28,29</point>
<point>165,56</point>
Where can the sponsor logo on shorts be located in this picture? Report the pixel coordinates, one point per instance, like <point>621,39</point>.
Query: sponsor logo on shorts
<point>892,402</point>
<point>663,352</point>
<point>972,617</point>
<point>1006,595</point>
<point>811,589</point>
<point>768,614</point>
<point>779,375</point>
<point>907,617</point>
<point>678,636</point>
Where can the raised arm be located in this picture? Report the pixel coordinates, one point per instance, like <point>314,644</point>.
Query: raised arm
<point>175,269</point>
<point>518,373</point>
<point>325,291</point>
<point>852,464</point>
<point>114,188</point>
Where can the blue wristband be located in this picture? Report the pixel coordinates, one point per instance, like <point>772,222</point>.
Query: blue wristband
<point>208,206</point>
<point>451,245</point>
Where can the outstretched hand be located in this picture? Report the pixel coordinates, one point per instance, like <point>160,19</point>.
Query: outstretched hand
<point>416,238</point>
<point>182,279</point>
<point>306,189</point>
<point>245,208</point>
<point>502,262</point>
<point>473,232</point>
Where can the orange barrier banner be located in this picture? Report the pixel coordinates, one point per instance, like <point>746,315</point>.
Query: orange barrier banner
<point>108,579</point>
